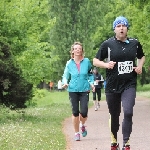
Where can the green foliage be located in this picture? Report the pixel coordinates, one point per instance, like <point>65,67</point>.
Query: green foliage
<point>76,22</point>
<point>139,3</point>
<point>40,33</point>
<point>14,89</point>
<point>39,96</point>
<point>27,26</point>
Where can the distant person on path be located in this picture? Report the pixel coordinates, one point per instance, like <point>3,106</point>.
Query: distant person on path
<point>78,72</point>
<point>98,80</point>
<point>51,84</point>
<point>59,85</point>
<point>121,53</point>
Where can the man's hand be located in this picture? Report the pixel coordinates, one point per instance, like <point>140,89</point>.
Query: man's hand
<point>97,81</point>
<point>110,65</point>
<point>138,70</point>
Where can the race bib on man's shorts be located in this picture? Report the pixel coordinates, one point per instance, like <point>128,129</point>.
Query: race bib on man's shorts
<point>125,67</point>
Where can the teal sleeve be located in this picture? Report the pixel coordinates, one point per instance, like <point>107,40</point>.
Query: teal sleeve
<point>66,75</point>
<point>90,74</point>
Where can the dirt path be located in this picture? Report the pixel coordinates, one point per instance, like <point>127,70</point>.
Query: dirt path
<point>98,137</point>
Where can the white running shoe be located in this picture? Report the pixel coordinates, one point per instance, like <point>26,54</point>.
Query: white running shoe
<point>96,108</point>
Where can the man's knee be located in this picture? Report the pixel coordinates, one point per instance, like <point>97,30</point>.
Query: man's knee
<point>128,114</point>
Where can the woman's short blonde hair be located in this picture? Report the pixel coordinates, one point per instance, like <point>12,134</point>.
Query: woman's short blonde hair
<point>72,48</point>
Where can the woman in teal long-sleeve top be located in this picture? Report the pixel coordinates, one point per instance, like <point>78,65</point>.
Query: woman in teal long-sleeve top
<point>78,79</point>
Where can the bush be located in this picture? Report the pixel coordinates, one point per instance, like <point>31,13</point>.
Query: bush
<point>14,89</point>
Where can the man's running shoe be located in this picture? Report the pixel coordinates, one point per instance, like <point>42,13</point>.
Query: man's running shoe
<point>77,137</point>
<point>127,147</point>
<point>115,146</point>
<point>83,131</point>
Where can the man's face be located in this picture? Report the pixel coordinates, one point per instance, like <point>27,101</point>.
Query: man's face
<point>94,71</point>
<point>121,31</point>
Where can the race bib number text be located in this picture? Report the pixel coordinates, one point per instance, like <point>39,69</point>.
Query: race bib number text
<point>125,67</point>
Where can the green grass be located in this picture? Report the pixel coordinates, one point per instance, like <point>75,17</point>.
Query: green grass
<point>39,127</point>
<point>144,90</point>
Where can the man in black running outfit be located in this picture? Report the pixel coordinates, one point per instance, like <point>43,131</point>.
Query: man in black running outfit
<point>118,55</point>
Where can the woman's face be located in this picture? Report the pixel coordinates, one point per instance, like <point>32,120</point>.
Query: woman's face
<point>77,50</point>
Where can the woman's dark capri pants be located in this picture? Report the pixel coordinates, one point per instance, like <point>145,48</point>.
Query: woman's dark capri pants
<point>79,102</point>
<point>127,97</point>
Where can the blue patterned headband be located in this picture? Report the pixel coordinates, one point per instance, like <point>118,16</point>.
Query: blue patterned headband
<point>120,20</point>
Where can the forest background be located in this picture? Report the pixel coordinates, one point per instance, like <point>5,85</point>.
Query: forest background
<point>41,32</point>
<point>35,40</point>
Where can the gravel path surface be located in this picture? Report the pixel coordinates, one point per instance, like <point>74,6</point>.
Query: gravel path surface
<point>98,137</point>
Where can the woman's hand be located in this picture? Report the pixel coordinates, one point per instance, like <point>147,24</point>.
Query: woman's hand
<point>65,86</point>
